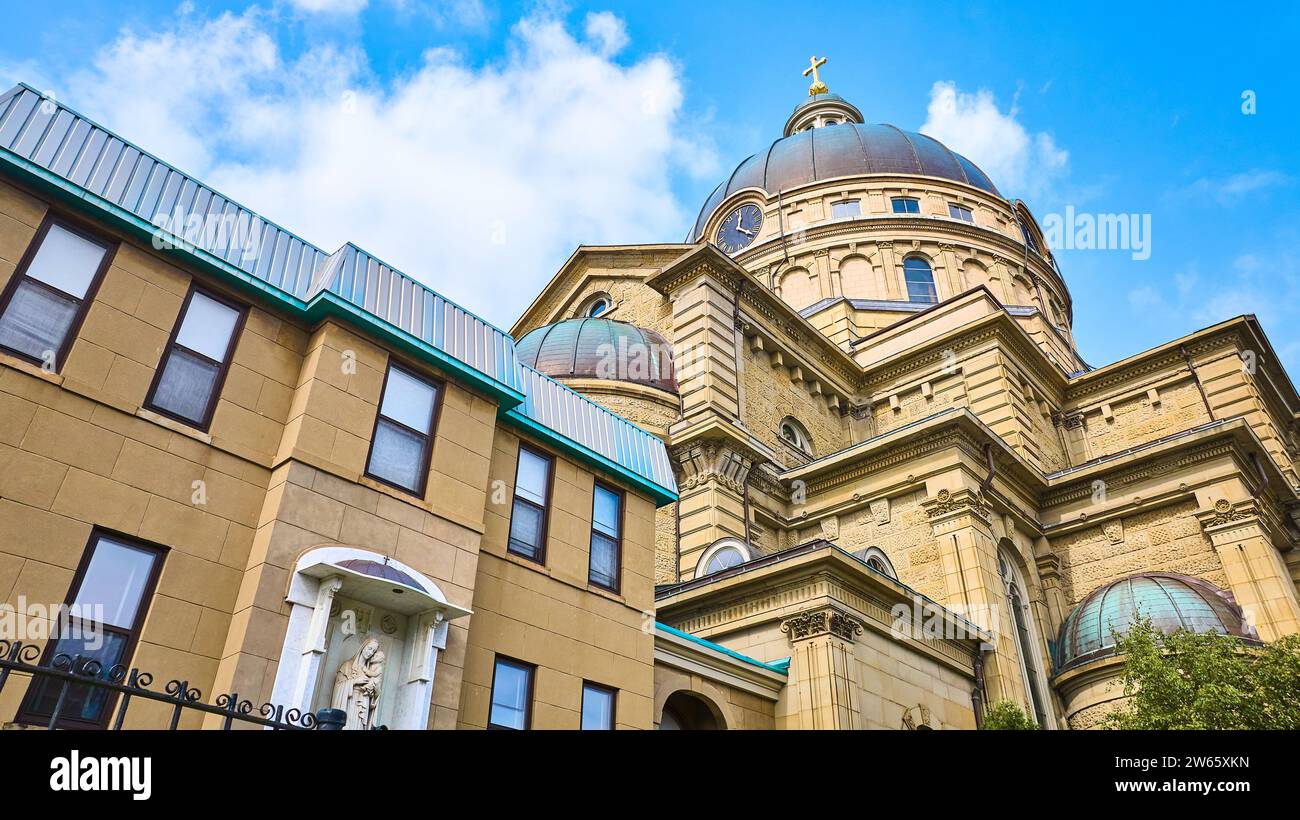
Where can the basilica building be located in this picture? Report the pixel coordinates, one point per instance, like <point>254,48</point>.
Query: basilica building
<point>875,405</point>
<point>834,461</point>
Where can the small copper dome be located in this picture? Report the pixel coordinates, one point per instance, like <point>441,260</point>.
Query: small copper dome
<point>593,348</point>
<point>1171,601</point>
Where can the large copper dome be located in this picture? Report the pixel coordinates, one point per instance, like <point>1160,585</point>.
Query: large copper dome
<point>847,149</point>
<point>593,348</point>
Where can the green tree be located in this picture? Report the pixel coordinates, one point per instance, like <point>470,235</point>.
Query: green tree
<point>1007,714</point>
<point>1188,680</point>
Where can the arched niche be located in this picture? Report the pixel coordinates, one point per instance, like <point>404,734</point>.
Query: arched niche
<point>798,288</point>
<point>341,596</point>
<point>857,278</point>
<point>687,710</point>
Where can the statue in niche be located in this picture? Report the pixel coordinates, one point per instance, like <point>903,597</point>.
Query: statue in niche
<point>357,684</point>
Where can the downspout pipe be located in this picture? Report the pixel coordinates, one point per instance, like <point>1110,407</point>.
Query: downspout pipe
<point>977,691</point>
<point>993,468</point>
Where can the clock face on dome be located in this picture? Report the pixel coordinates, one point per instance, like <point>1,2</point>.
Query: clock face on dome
<point>739,228</point>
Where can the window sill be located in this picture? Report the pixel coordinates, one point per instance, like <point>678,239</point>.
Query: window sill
<point>22,365</point>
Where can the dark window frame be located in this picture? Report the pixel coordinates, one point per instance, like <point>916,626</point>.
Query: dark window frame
<point>223,368</point>
<point>613,705</point>
<point>934,283</point>
<point>540,558</point>
<point>426,453</point>
<point>25,714</point>
<point>957,206</point>
<point>85,231</point>
<point>531,669</point>
<point>618,541</point>
<point>904,199</point>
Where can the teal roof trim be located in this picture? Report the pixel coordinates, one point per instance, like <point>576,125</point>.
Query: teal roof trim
<point>82,164</point>
<point>781,667</point>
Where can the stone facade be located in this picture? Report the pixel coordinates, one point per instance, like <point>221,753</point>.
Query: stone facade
<point>240,510</point>
<point>965,440</point>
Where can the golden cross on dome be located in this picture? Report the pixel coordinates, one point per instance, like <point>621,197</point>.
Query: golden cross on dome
<point>817,87</point>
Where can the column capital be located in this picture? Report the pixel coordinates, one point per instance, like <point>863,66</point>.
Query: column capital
<point>947,505</point>
<point>828,620</point>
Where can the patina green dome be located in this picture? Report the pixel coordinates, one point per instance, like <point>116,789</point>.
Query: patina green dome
<point>1171,601</point>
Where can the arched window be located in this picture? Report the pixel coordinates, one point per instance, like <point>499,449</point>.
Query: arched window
<point>1026,644</point>
<point>875,558</point>
<point>724,554</point>
<point>920,280</point>
<point>794,434</point>
<point>595,306</point>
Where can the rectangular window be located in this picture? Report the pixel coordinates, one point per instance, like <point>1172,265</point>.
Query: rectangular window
<point>193,368</point>
<point>606,533</point>
<point>528,515</point>
<point>960,212</point>
<point>49,293</point>
<point>402,442</point>
<point>905,205</point>
<point>512,694</point>
<point>598,706</point>
<point>847,209</point>
<point>106,607</point>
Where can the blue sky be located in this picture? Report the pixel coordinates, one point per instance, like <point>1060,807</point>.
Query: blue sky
<point>474,144</point>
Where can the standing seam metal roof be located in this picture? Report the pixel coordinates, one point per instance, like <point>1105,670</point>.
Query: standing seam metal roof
<point>43,137</point>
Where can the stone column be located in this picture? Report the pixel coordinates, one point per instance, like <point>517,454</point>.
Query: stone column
<point>1257,575</point>
<point>823,671</point>
<point>962,526</point>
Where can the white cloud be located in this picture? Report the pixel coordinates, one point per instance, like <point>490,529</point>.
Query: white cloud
<point>1020,163</point>
<point>607,31</point>
<point>477,180</point>
<point>340,7</point>
<point>1233,188</point>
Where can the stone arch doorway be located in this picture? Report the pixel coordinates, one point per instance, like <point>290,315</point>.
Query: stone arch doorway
<point>690,711</point>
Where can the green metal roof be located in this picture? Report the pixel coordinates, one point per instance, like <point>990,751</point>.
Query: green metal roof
<point>781,667</point>
<point>92,169</point>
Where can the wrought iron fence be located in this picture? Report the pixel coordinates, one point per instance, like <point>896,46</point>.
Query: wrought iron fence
<point>67,680</point>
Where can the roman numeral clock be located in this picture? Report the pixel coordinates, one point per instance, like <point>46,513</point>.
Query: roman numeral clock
<point>740,228</point>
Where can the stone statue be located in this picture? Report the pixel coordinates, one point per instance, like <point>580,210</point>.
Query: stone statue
<point>357,685</point>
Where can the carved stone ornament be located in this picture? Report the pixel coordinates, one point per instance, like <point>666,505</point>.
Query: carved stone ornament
<point>813,623</point>
<point>880,510</point>
<point>946,503</point>
<point>1114,531</point>
<point>921,719</point>
<point>1226,513</point>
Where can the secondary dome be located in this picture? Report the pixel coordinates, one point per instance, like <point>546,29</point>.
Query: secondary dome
<point>845,149</point>
<point>1171,601</point>
<point>592,348</point>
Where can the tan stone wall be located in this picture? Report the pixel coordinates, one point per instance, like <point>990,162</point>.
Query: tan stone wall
<point>1168,539</point>
<point>738,709</point>
<point>1135,419</point>
<point>770,396</point>
<point>550,616</point>
<point>907,539</point>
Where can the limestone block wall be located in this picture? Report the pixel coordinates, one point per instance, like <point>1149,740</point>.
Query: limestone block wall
<point>737,708</point>
<point>548,615</point>
<point>1168,538</point>
<point>771,395</point>
<point>904,534</point>
<point>1137,416</point>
